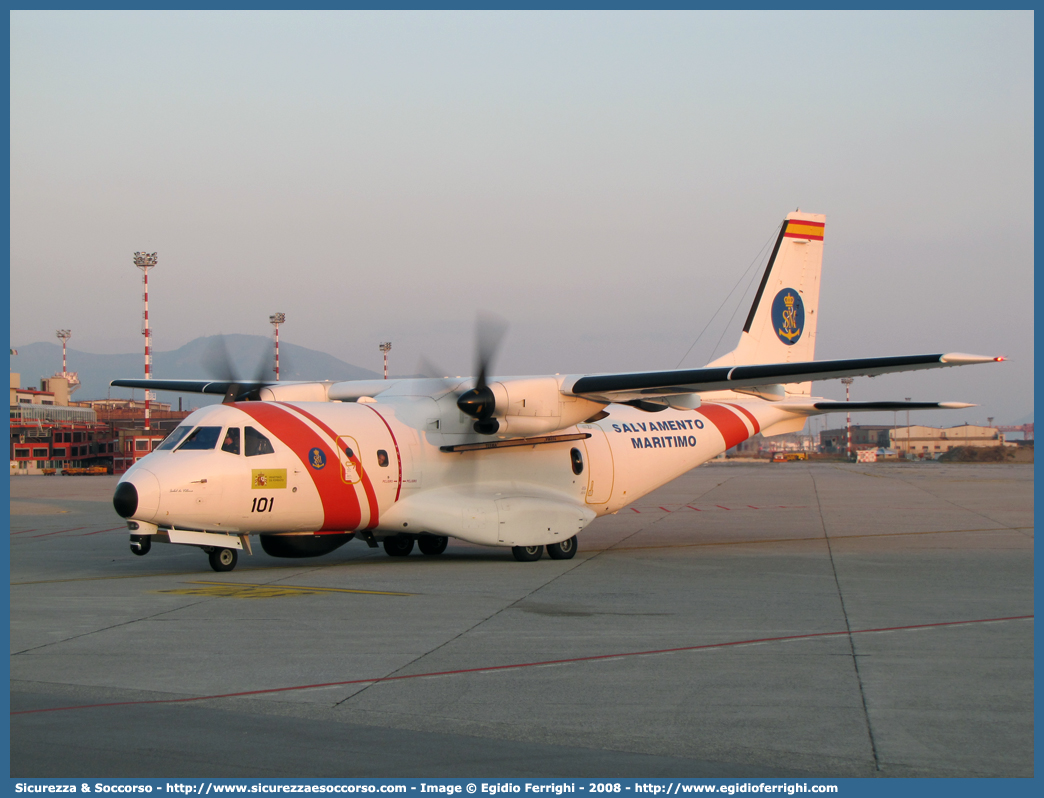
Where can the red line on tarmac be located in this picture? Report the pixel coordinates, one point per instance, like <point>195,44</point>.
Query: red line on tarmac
<point>723,508</point>
<point>636,509</point>
<point>517,666</point>
<point>98,532</point>
<point>45,534</point>
<point>664,509</point>
<point>697,509</point>
<point>23,531</point>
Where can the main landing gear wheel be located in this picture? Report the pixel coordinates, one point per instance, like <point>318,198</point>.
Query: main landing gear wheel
<point>432,544</point>
<point>223,559</point>
<point>562,551</point>
<point>140,544</point>
<point>398,545</point>
<point>527,553</point>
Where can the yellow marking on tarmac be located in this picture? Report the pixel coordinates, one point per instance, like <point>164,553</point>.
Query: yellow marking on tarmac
<point>255,591</point>
<point>833,538</point>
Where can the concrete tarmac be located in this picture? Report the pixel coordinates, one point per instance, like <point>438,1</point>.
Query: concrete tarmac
<point>747,619</point>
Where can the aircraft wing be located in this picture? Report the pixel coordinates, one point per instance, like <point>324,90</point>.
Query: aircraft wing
<point>244,389</point>
<point>187,386</point>
<point>650,384</point>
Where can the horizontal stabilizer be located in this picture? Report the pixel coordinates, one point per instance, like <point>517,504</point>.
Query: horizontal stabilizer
<point>832,407</point>
<point>819,407</point>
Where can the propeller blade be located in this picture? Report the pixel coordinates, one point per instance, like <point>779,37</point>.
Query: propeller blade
<point>479,402</point>
<point>217,363</point>
<point>489,332</point>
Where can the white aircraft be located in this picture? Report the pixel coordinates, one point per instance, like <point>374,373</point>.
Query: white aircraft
<point>518,462</point>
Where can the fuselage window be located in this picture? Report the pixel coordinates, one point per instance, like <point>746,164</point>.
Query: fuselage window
<point>231,444</point>
<point>578,461</point>
<point>174,438</point>
<point>201,438</point>
<point>382,458</point>
<point>255,443</point>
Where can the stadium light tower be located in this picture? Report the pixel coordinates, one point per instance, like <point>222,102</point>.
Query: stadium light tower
<point>277,319</point>
<point>386,348</point>
<point>145,261</point>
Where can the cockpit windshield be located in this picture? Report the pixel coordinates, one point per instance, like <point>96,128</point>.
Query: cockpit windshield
<point>231,444</point>
<point>201,438</point>
<point>174,438</point>
<point>255,443</point>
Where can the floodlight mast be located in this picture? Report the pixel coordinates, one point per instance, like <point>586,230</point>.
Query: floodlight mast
<point>275,320</point>
<point>64,336</point>
<point>848,416</point>
<point>145,261</point>
<point>386,348</point>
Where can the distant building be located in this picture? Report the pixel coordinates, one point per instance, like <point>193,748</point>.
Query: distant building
<point>923,442</point>
<point>759,444</point>
<point>50,432</point>
<point>864,436</point>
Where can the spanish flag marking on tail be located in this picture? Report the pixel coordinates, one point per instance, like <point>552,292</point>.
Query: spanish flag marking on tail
<point>801,229</point>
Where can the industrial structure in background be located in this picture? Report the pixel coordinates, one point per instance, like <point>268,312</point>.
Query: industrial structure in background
<point>914,442</point>
<point>275,320</point>
<point>72,378</point>
<point>386,348</point>
<point>51,434</point>
<point>145,261</point>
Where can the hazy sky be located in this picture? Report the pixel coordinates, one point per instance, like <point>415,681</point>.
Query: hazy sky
<point>600,180</point>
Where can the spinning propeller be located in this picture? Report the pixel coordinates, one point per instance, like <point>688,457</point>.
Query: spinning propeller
<point>479,402</point>
<point>218,365</point>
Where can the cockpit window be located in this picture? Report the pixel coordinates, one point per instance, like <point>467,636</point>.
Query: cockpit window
<point>174,438</point>
<point>231,443</point>
<point>201,438</point>
<point>255,443</point>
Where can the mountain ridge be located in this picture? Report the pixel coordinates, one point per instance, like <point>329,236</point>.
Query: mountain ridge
<point>249,354</point>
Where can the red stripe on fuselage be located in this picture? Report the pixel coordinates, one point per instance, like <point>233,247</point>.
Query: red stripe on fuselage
<point>750,416</point>
<point>732,429</point>
<point>341,511</point>
<point>371,496</point>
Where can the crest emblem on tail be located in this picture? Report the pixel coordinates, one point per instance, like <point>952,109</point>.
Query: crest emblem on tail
<point>788,316</point>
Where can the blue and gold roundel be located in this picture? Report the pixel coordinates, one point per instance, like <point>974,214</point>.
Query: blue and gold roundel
<point>788,316</point>
<point>316,458</point>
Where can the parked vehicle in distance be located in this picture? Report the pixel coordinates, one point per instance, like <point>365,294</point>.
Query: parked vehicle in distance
<point>789,457</point>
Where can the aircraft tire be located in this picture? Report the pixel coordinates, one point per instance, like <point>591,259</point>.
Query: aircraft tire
<point>398,545</point>
<point>223,559</point>
<point>140,544</point>
<point>527,553</point>
<point>432,545</point>
<point>565,550</point>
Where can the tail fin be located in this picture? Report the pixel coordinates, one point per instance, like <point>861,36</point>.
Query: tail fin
<point>781,325</point>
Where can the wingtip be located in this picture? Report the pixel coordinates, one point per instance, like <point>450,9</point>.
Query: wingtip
<point>962,359</point>
<point>955,405</point>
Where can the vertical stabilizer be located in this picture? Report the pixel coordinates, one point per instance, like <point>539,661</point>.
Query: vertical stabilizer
<point>781,325</point>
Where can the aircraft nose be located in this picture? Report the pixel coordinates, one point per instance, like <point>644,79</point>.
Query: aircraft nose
<point>137,495</point>
<point>125,499</point>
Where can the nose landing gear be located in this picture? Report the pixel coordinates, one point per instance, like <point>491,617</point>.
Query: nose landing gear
<point>223,559</point>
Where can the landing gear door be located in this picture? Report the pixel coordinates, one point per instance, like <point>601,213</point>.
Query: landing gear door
<point>599,465</point>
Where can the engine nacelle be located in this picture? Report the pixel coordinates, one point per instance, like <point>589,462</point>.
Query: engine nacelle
<point>300,392</point>
<point>536,406</point>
